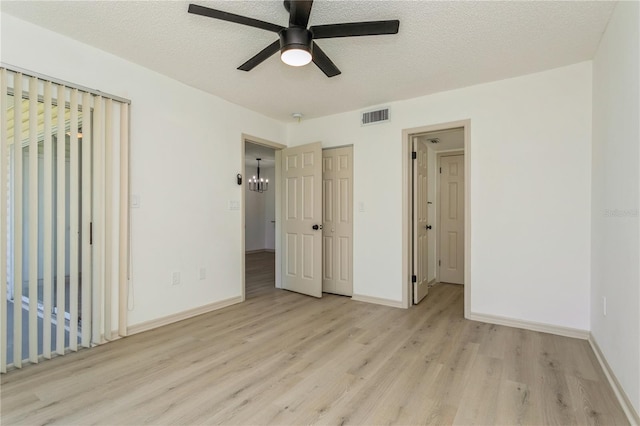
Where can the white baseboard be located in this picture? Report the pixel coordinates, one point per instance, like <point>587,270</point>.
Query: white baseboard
<point>377,300</point>
<point>530,325</point>
<point>159,322</point>
<point>623,399</point>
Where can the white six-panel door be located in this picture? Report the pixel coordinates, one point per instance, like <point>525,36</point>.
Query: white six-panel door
<point>302,211</point>
<point>337,216</point>
<point>420,222</point>
<point>452,219</point>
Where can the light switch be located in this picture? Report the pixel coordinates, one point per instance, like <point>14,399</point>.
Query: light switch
<point>234,205</point>
<point>360,206</point>
<point>135,201</point>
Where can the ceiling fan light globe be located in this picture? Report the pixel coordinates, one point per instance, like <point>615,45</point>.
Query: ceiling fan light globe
<point>296,57</point>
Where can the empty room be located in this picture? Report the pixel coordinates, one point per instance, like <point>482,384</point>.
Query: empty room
<point>320,212</point>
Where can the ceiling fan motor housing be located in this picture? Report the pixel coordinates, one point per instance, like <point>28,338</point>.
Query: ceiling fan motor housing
<point>295,38</point>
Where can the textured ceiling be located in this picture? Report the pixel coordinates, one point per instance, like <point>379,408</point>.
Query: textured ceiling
<point>440,46</point>
<point>447,139</point>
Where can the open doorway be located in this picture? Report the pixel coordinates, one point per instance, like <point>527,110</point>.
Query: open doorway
<point>260,218</point>
<point>259,210</point>
<point>295,221</point>
<point>437,209</point>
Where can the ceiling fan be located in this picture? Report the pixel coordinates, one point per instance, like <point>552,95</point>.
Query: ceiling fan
<point>296,42</point>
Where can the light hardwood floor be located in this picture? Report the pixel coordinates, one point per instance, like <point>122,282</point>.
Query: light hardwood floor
<point>284,358</point>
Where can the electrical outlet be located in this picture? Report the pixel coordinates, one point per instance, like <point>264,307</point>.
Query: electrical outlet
<point>203,273</point>
<point>175,278</point>
<point>604,306</point>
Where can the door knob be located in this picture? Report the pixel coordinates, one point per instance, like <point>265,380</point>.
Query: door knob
<point>428,226</point>
<point>316,227</point>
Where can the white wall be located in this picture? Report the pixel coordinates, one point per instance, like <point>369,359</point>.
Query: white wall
<point>530,195</point>
<point>185,154</point>
<point>615,193</point>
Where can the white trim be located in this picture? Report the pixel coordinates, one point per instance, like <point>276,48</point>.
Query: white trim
<point>378,301</point>
<point>530,325</point>
<point>406,211</point>
<point>279,217</point>
<point>170,319</point>
<point>623,399</point>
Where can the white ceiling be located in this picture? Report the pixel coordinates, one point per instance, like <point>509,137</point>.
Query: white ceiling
<point>441,45</point>
<point>447,139</point>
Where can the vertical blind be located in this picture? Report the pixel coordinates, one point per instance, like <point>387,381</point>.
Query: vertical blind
<point>64,228</point>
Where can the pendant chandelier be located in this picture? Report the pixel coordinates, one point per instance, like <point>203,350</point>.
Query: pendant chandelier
<point>256,183</point>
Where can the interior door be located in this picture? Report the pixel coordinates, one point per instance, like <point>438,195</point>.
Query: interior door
<point>302,219</point>
<point>337,220</point>
<point>452,219</point>
<point>420,222</point>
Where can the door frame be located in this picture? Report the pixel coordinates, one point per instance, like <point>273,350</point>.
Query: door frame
<point>277,147</point>
<point>407,228</point>
<point>439,156</point>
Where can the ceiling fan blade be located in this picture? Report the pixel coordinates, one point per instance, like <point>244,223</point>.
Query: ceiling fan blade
<point>230,17</point>
<point>299,11</point>
<point>323,62</point>
<point>354,29</point>
<point>261,57</point>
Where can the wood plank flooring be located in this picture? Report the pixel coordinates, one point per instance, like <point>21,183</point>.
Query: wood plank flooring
<point>284,358</point>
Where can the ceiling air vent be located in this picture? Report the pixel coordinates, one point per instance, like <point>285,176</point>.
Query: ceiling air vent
<point>375,117</point>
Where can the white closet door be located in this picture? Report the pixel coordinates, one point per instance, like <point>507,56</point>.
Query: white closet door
<point>302,212</point>
<point>452,219</point>
<point>337,218</point>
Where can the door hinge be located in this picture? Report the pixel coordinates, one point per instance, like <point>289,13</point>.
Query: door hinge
<point>414,155</point>
<point>414,278</point>
<point>439,262</point>
<point>440,170</point>
<point>90,233</point>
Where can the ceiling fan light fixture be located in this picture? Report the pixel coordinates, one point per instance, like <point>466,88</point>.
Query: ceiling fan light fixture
<point>296,57</point>
<point>295,46</point>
